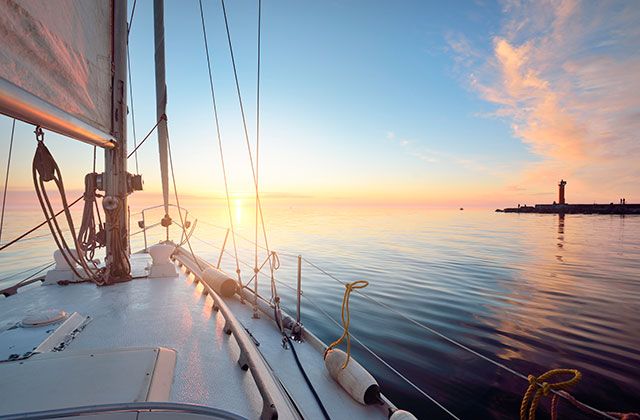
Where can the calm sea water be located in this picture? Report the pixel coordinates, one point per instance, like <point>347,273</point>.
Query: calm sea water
<point>533,291</point>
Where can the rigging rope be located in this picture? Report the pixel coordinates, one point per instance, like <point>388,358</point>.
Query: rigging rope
<point>217,123</point>
<point>246,137</point>
<point>96,201</point>
<point>133,11</point>
<point>6,177</point>
<point>133,112</point>
<point>33,229</point>
<point>346,319</point>
<point>162,117</point>
<point>255,260</point>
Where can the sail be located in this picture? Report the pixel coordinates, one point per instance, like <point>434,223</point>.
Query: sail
<point>56,61</point>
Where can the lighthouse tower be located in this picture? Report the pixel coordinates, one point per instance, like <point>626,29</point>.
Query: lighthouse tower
<point>561,191</point>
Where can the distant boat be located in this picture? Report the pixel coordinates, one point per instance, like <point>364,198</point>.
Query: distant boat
<point>461,208</point>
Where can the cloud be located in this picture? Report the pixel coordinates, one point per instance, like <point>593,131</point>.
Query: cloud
<point>564,74</point>
<point>431,156</point>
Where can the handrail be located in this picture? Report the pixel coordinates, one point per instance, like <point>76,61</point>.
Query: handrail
<point>275,402</point>
<point>156,207</point>
<point>127,407</point>
<point>144,228</point>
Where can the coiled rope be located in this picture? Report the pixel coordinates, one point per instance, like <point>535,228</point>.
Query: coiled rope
<point>346,319</point>
<point>45,169</point>
<point>539,387</point>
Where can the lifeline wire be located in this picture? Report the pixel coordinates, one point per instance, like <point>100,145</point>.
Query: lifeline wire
<point>330,318</point>
<point>162,117</point>
<point>450,340</point>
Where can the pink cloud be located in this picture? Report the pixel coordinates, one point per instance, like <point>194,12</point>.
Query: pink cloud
<point>565,76</point>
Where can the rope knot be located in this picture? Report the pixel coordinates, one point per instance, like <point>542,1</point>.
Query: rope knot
<point>539,387</point>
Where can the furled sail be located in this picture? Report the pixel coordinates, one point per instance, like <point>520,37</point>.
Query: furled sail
<point>56,66</point>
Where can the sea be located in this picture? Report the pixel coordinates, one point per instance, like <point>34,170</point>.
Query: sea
<point>531,292</point>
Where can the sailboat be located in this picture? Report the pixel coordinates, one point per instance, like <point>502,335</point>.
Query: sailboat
<point>123,337</point>
<point>160,332</point>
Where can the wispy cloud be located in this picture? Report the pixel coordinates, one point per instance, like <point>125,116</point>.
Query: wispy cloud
<point>565,76</point>
<point>412,148</point>
<point>431,156</point>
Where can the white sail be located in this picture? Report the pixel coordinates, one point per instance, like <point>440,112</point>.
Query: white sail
<point>56,65</point>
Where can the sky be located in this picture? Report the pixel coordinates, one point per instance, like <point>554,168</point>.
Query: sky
<point>471,103</point>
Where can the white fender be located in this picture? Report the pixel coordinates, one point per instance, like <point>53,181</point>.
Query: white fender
<point>402,415</point>
<point>220,282</point>
<point>354,378</point>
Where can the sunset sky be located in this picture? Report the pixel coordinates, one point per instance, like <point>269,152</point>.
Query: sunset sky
<point>406,102</point>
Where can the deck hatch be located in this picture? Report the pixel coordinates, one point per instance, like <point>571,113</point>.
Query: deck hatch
<point>59,380</point>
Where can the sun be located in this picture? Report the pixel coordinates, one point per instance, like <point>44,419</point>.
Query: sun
<point>237,204</point>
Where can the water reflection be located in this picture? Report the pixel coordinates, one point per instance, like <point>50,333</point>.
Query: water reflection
<point>560,235</point>
<point>537,291</point>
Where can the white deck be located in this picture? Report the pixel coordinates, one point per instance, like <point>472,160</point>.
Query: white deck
<point>173,313</point>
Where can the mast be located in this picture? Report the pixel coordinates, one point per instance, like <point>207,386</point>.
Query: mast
<point>115,180</point>
<point>161,107</point>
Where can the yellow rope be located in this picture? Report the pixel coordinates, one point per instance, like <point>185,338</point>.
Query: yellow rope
<point>346,319</point>
<point>539,387</point>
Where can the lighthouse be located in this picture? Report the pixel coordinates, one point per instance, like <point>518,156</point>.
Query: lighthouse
<point>561,191</point>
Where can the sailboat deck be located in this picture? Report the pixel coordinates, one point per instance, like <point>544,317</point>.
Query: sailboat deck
<point>174,313</point>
